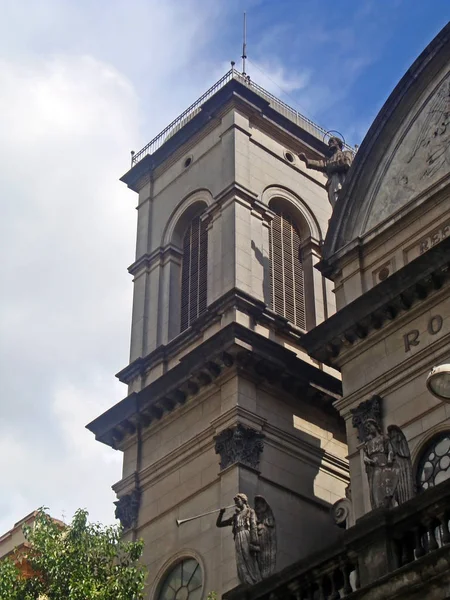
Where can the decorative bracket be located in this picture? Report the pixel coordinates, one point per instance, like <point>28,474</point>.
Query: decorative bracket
<point>239,444</point>
<point>370,409</point>
<point>127,509</point>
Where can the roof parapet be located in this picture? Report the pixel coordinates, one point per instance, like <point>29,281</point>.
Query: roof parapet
<point>277,104</point>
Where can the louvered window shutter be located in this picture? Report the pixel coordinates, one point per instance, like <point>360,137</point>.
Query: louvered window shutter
<point>193,272</point>
<point>288,291</point>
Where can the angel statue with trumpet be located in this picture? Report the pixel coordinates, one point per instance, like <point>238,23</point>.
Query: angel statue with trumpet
<point>254,538</point>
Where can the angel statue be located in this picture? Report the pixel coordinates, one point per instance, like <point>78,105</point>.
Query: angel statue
<point>335,167</point>
<point>254,543</point>
<point>388,465</point>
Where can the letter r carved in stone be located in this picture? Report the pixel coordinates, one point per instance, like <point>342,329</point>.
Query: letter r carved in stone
<point>411,339</point>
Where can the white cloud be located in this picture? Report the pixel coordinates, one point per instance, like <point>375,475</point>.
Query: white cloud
<point>276,78</point>
<point>81,85</point>
<point>67,235</point>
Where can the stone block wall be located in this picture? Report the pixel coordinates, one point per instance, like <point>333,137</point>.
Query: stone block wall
<point>302,470</point>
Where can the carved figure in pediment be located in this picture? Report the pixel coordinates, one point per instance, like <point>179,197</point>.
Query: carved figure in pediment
<point>418,158</point>
<point>432,141</point>
<point>335,167</point>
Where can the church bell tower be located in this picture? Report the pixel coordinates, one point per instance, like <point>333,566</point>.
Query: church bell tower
<point>222,399</point>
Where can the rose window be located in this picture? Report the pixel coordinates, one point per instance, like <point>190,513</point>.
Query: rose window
<point>434,466</point>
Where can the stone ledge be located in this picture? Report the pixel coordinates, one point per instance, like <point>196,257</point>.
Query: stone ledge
<point>383,303</point>
<point>234,347</point>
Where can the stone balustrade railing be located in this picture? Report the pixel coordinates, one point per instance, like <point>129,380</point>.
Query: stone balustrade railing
<point>382,543</point>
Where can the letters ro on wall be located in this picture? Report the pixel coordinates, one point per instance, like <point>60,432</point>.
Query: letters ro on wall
<point>412,338</point>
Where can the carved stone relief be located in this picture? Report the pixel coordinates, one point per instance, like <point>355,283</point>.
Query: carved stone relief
<point>255,538</point>
<point>239,444</point>
<point>127,509</point>
<point>342,513</point>
<point>420,159</point>
<point>386,456</point>
<point>370,409</point>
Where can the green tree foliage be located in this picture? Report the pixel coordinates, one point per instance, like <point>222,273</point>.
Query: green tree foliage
<point>80,561</point>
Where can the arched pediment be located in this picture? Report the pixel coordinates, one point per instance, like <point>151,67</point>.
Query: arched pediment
<point>306,218</point>
<point>404,156</point>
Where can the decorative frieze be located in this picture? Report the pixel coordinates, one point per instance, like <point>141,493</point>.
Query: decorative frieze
<point>239,444</point>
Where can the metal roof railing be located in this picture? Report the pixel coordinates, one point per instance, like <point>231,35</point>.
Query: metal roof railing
<point>190,112</point>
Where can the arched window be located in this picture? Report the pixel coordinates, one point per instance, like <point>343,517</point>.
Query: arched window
<point>434,464</point>
<point>193,272</point>
<point>287,282</point>
<point>184,581</point>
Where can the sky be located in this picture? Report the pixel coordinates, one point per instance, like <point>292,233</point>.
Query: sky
<point>81,85</point>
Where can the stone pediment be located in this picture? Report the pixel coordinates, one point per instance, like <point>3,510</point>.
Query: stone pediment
<point>405,154</point>
<point>420,157</point>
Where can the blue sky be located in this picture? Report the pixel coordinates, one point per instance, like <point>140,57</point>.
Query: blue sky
<point>82,84</point>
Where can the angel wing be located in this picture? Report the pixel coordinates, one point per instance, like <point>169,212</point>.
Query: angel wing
<point>406,488</point>
<point>267,537</point>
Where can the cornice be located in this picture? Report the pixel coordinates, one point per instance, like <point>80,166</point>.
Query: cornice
<point>189,450</point>
<point>238,414</point>
<point>148,261</point>
<point>235,298</point>
<point>234,347</point>
<point>407,287</point>
<point>395,378</point>
<point>403,319</point>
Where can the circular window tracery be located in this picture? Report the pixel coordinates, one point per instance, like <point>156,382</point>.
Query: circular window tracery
<point>184,581</point>
<point>434,466</point>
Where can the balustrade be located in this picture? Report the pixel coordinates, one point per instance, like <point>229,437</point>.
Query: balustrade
<point>398,537</point>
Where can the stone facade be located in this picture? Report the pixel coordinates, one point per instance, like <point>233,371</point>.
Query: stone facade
<point>239,367</point>
<point>245,401</point>
<point>390,246</point>
<point>387,251</point>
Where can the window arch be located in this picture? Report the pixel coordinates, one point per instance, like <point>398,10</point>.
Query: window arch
<point>183,581</point>
<point>194,266</point>
<point>286,268</point>
<point>434,462</point>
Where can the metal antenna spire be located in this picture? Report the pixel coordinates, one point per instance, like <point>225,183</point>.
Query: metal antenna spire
<point>244,45</point>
